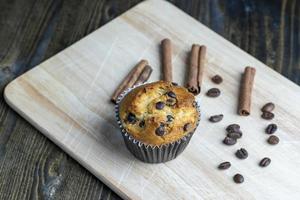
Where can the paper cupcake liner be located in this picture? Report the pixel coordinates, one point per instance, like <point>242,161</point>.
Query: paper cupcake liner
<point>152,153</point>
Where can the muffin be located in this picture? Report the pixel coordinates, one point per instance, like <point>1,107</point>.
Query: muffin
<point>157,120</point>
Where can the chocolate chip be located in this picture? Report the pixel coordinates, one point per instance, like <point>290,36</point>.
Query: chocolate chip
<point>238,178</point>
<point>267,115</point>
<point>213,92</point>
<point>233,128</point>
<point>265,162</point>
<point>216,118</point>
<point>217,79</point>
<point>171,102</point>
<point>271,128</point>
<point>171,94</point>
<point>187,126</point>
<point>170,118</point>
<point>142,124</point>
<point>229,141</point>
<point>273,139</point>
<point>241,153</point>
<point>235,135</point>
<point>160,105</point>
<point>160,131</point>
<point>194,104</point>
<point>131,118</point>
<point>224,165</point>
<point>269,107</point>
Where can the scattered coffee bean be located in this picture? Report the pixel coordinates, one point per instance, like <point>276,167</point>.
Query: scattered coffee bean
<point>213,92</point>
<point>131,118</point>
<point>170,118</point>
<point>265,162</point>
<point>187,126</point>
<point>217,79</point>
<point>238,178</point>
<point>142,124</point>
<point>271,128</point>
<point>216,118</point>
<point>267,115</point>
<point>171,102</point>
<point>233,128</point>
<point>273,139</point>
<point>224,165</point>
<point>175,84</point>
<point>171,94</point>
<point>229,141</point>
<point>235,135</point>
<point>269,107</point>
<point>241,153</point>
<point>160,131</point>
<point>160,105</point>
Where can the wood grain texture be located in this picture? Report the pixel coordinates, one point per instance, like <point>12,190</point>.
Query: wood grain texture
<point>71,107</point>
<point>32,31</point>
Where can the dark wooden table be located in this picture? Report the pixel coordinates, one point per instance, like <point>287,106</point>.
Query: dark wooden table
<point>31,166</point>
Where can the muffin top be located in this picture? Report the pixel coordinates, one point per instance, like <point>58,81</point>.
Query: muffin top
<point>158,113</point>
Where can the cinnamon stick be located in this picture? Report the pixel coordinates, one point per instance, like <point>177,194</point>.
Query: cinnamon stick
<point>201,65</point>
<point>144,75</point>
<point>192,84</point>
<point>130,79</point>
<point>247,81</point>
<point>166,45</point>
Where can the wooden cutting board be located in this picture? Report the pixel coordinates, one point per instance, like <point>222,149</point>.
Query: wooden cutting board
<point>67,99</point>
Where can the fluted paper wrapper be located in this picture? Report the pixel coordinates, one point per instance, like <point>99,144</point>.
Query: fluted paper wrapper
<point>151,153</point>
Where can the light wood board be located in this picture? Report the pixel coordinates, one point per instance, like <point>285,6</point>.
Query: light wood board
<point>67,99</point>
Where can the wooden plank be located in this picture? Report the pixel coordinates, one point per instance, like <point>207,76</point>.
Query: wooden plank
<point>70,106</point>
<point>31,32</point>
<point>259,22</point>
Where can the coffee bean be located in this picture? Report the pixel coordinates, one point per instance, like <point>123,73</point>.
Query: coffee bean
<point>160,131</point>
<point>187,126</point>
<point>170,118</point>
<point>233,128</point>
<point>235,135</point>
<point>131,118</point>
<point>271,128</point>
<point>267,115</point>
<point>224,165</point>
<point>216,118</point>
<point>160,105</point>
<point>217,79</point>
<point>171,102</point>
<point>171,94</point>
<point>213,92</point>
<point>238,178</point>
<point>269,107</point>
<point>273,139</point>
<point>241,153</point>
<point>229,141</point>
<point>265,162</point>
<point>142,124</point>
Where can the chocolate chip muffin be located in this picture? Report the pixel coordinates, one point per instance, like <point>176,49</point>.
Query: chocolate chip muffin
<point>158,113</point>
